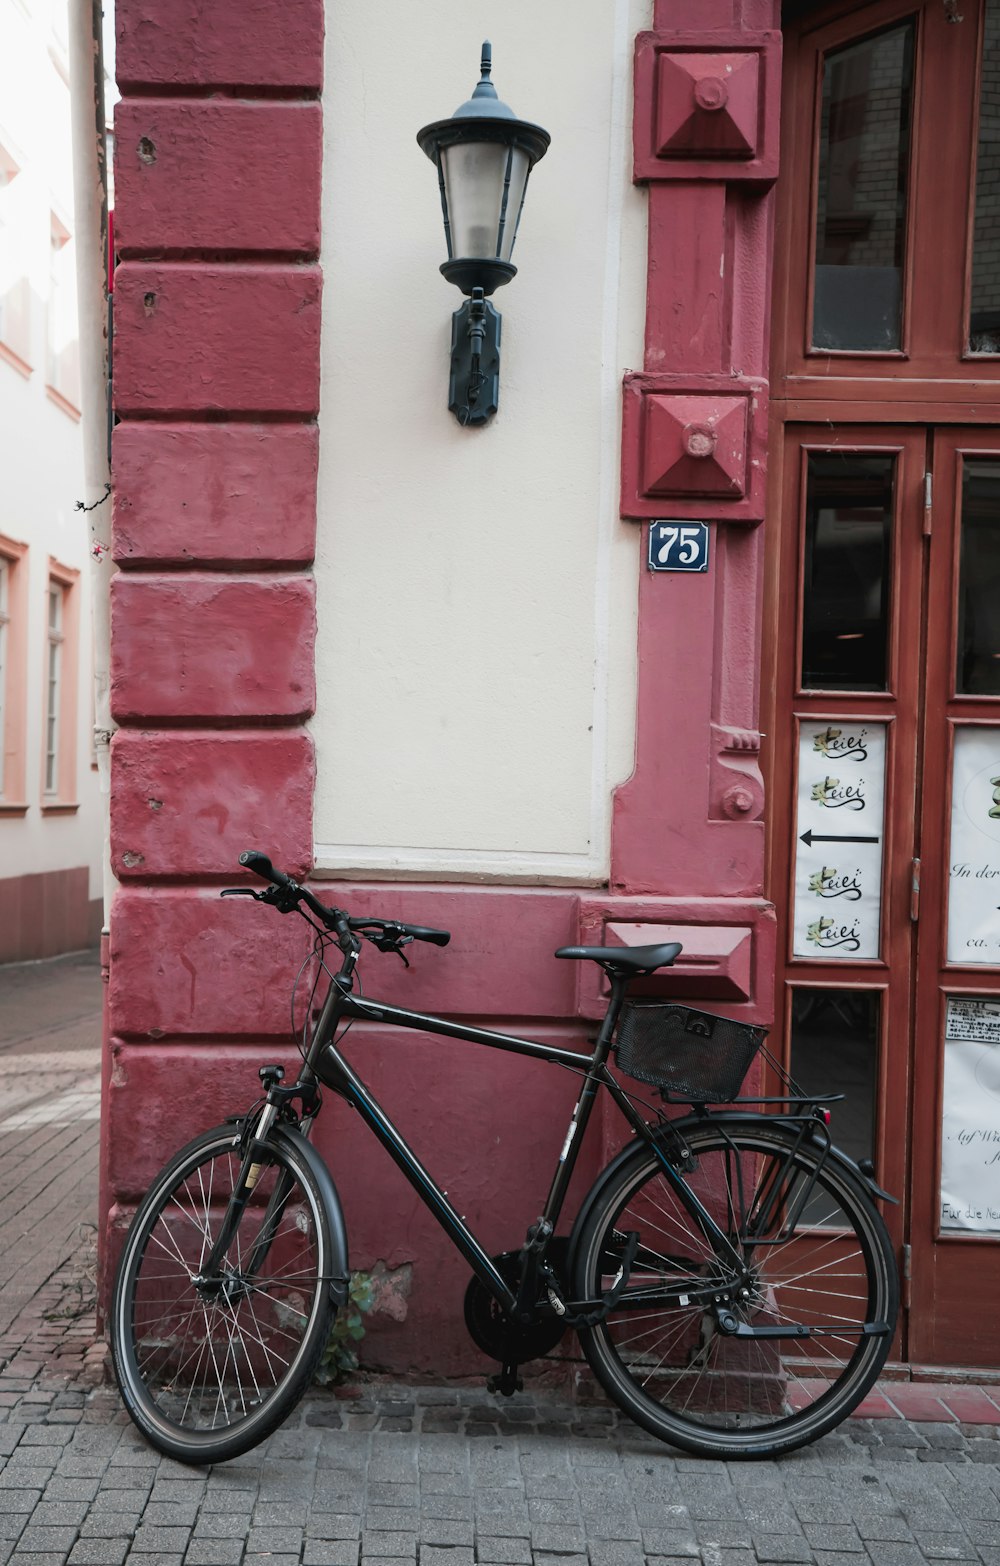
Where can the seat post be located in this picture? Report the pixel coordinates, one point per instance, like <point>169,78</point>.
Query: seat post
<point>619,984</point>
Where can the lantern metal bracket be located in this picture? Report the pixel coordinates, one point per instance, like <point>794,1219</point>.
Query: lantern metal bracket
<point>474,387</point>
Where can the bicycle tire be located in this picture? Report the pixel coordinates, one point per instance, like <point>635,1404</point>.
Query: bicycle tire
<point>206,1379</point>
<point>673,1371</point>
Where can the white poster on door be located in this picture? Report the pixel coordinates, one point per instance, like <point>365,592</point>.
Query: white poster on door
<point>970,1120</point>
<point>839,822</point>
<point>974,852</point>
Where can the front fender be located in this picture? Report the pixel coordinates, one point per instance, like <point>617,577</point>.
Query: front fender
<point>340,1271</point>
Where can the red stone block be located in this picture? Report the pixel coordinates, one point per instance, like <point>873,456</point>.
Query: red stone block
<point>187,804</point>
<point>972,1405</point>
<point>441,1093</point>
<point>190,962</point>
<point>495,932</point>
<point>153,1108</point>
<point>219,43</point>
<point>197,646</point>
<point>208,339</point>
<point>214,494</point>
<point>874,1406</point>
<point>916,1402</point>
<point>215,174</point>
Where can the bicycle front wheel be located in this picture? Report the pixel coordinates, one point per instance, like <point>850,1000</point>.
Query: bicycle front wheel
<point>208,1368</point>
<point>664,1356</point>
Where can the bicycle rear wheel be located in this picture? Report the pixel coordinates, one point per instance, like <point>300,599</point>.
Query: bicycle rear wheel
<point>208,1369</point>
<point>668,1362</point>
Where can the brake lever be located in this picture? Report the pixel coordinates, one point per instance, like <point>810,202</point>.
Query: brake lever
<point>390,943</point>
<point>242,891</point>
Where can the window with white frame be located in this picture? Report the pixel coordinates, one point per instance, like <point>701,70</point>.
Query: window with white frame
<point>13,673</point>
<point>53,687</point>
<point>4,657</point>
<point>15,289</point>
<point>62,346</point>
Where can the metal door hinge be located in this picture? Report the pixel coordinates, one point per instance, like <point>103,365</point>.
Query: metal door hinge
<point>915,892</point>
<point>928,502</point>
<point>907,1276</point>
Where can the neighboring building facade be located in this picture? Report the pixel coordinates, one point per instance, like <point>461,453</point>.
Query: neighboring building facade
<point>50,805</point>
<point>430,663</point>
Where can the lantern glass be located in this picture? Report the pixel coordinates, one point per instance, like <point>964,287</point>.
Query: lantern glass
<point>484,185</point>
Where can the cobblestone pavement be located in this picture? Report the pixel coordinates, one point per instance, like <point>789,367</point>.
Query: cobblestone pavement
<point>439,1476</point>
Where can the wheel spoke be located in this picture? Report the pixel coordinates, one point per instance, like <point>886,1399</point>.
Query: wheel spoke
<point>672,1365</point>
<point>213,1358</point>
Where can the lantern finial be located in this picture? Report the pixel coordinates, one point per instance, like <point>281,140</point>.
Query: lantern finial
<point>484,88</point>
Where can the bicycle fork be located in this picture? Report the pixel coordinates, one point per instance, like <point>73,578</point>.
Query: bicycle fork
<point>211,1279</point>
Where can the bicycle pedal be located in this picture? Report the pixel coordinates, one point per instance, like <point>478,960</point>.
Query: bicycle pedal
<point>506,1382</point>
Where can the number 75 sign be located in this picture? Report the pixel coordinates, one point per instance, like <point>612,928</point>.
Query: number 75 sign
<point>678,546</point>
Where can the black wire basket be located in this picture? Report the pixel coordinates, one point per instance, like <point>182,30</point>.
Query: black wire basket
<point>689,1055</point>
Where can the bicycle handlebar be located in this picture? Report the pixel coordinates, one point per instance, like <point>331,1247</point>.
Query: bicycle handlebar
<point>262,866</point>
<point>335,918</point>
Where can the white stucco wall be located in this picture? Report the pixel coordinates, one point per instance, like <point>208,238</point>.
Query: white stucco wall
<point>42,470</point>
<point>476,657</point>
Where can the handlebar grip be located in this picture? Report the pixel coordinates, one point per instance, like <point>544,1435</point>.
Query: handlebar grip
<point>260,865</point>
<point>420,933</point>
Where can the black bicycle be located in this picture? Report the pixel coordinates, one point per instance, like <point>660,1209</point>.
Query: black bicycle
<point>729,1277</point>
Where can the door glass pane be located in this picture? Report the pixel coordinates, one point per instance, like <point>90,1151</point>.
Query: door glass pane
<point>970,1167</point>
<point>984,326</point>
<point>978,672</point>
<point>861,205</point>
<point>839,828</point>
<point>974,846</point>
<point>835,1050</point>
<point>845,581</point>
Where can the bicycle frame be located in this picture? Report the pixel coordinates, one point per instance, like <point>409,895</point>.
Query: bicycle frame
<point>325,1063</point>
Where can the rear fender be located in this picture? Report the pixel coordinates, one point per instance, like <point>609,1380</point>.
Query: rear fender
<point>637,1150</point>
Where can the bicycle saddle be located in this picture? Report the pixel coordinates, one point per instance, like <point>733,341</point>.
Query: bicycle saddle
<point>627,959</point>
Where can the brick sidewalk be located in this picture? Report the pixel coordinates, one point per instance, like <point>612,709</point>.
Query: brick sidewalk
<point>442,1476</point>
<point>50,1034</point>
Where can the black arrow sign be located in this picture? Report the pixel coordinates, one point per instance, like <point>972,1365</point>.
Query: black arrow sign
<point>811,837</point>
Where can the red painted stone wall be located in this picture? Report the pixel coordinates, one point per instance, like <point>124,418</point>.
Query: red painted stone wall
<point>215,459</point>
<point>217,320</point>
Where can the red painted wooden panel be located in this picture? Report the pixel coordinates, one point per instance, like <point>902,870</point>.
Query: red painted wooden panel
<point>215,174</point>
<point>197,646</point>
<point>214,494</point>
<point>225,43</point>
<point>187,804</point>
<point>204,339</point>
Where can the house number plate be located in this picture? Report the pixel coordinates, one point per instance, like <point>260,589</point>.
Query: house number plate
<point>678,546</point>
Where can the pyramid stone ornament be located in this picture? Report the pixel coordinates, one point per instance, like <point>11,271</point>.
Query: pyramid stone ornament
<point>707,104</point>
<point>695,445</point>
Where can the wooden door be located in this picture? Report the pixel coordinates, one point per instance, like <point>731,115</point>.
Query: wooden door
<point>844,768</point>
<point>882,640</point>
<point>955,1171</point>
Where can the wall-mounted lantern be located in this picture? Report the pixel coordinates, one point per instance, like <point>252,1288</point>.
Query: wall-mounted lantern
<point>483,155</point>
